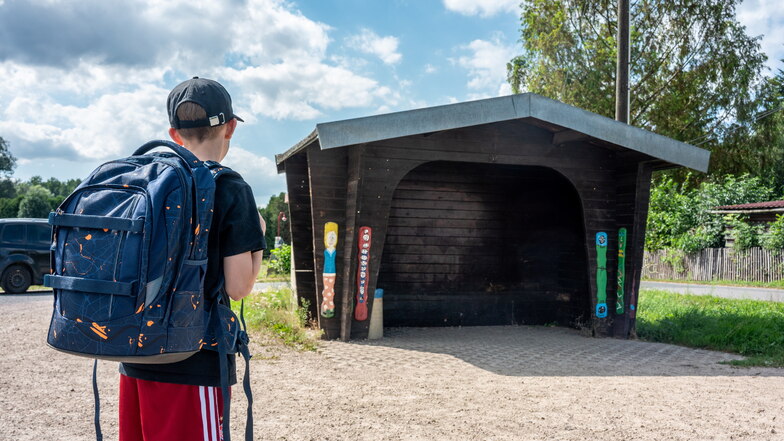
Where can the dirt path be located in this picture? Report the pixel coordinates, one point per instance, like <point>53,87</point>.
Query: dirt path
<point>492,383</point>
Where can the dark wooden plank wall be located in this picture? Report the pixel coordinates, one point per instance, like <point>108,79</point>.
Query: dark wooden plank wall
<point>328,184</point>
<point>589,168</point>
<point>342,184</point>
<point>483,244</point>
<point>380,176</point>
<point>301,226</point>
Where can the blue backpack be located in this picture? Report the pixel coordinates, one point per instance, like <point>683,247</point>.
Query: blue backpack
<point>128,260</point>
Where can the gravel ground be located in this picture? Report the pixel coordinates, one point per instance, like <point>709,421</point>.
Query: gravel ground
<point>488,383</point>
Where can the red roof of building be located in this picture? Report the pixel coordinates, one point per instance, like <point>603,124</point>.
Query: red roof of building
<point>753,206</point>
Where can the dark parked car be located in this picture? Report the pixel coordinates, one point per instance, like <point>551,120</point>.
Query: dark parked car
<point>24,253</point>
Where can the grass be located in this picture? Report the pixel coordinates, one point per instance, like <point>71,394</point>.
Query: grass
<point>752,328</point>
<point>273,313</point>
<point>775,284</point>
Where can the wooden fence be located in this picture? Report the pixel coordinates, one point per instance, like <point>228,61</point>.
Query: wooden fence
<point>755,264</point>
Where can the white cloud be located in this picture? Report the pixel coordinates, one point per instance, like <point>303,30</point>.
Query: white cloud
<point>369,42</point>
<point>297,90</point>
<point>429,68</point>
<point>483,8</point>
<point>91,83</point>
<point>765,17</point>
<point>93,99</point>
<point>108,127</point>
<point>486,66</point>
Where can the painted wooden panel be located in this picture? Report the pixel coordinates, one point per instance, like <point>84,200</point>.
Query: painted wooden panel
<point>330,273</point>
<point>327,179</point>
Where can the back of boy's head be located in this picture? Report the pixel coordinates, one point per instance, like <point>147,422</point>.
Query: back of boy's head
<point>190,111</point>
<point>198,108</point>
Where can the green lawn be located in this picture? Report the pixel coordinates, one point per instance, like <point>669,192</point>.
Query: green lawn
<point>779,284</point>
<point>754,329</point>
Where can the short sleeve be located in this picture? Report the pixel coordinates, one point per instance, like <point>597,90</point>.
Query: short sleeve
<point>239,227</point>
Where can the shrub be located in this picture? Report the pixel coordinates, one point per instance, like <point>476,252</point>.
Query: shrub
<point>774,238</point>
<point>280,261</point>
<point>36,203</point>
<point>679,216</point>
<point>746,236</point>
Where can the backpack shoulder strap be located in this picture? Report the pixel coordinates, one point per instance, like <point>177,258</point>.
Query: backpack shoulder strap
<point>219,170</point>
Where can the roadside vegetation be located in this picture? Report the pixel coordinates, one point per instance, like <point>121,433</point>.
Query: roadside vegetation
<point>751,328</point>
<point>274,314</point>
<point>276,267</point>
<point>680,217</point>
<point>776,284</point>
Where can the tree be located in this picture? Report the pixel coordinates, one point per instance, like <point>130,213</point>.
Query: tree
<point>7,188</point>
<point>36,203</point>
<point>9,207</point>
<point>694,71</point>
<point>757,147</point>
<point>7,160</point>
<point>274,207</point>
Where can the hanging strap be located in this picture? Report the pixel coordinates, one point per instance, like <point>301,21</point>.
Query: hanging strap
<point>98,434</point>
<point>242,348</point>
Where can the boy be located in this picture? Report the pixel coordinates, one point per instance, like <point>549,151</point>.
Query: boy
<point>183,400</point>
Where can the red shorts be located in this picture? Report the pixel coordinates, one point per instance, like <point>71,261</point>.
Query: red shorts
<point>153,411</point>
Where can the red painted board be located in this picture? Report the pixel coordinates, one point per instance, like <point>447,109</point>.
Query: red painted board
<point>363,273</point>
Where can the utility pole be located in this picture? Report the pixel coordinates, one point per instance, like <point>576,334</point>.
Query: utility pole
<point>622,69</point>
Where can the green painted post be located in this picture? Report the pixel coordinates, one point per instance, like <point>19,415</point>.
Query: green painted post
<point>601,275</point>
<point>619,292</point>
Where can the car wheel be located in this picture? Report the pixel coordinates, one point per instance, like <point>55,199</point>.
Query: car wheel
<point>16,279</point>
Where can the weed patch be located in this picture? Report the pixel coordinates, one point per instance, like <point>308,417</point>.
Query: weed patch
<point>274,313</point>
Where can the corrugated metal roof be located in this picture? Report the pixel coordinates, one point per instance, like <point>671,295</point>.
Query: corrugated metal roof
<point>472,113</point>
<point>753,206</point>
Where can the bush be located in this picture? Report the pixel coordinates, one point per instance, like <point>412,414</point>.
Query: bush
<point>774,238</point>
<point>280,261</point>
<point>36,203</point>
<point>746,236</point>
<point>679,216</point>
<point>9,207</point>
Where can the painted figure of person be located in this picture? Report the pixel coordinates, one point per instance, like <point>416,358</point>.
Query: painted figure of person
<point>328,294</point>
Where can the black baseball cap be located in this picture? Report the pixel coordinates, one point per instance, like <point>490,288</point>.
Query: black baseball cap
<point>209,94</point>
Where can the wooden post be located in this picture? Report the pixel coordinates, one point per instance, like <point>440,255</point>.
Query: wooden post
<point>353,209</point>
<point>637,242</point>
<point>622,68</point>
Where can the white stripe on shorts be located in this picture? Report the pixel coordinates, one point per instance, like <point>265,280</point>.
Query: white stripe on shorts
<point>202,400</point>
<point>213,411</point>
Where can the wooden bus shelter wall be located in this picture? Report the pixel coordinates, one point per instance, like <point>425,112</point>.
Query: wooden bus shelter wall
<point>356,186</point>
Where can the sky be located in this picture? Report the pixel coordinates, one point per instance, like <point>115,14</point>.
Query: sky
<point>83,82</point>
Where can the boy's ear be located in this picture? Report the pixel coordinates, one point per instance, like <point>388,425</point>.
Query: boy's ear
<point>230,126</point>
<point>175,136</point>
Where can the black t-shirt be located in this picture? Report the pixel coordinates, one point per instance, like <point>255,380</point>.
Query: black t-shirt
<point>235,230</point>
